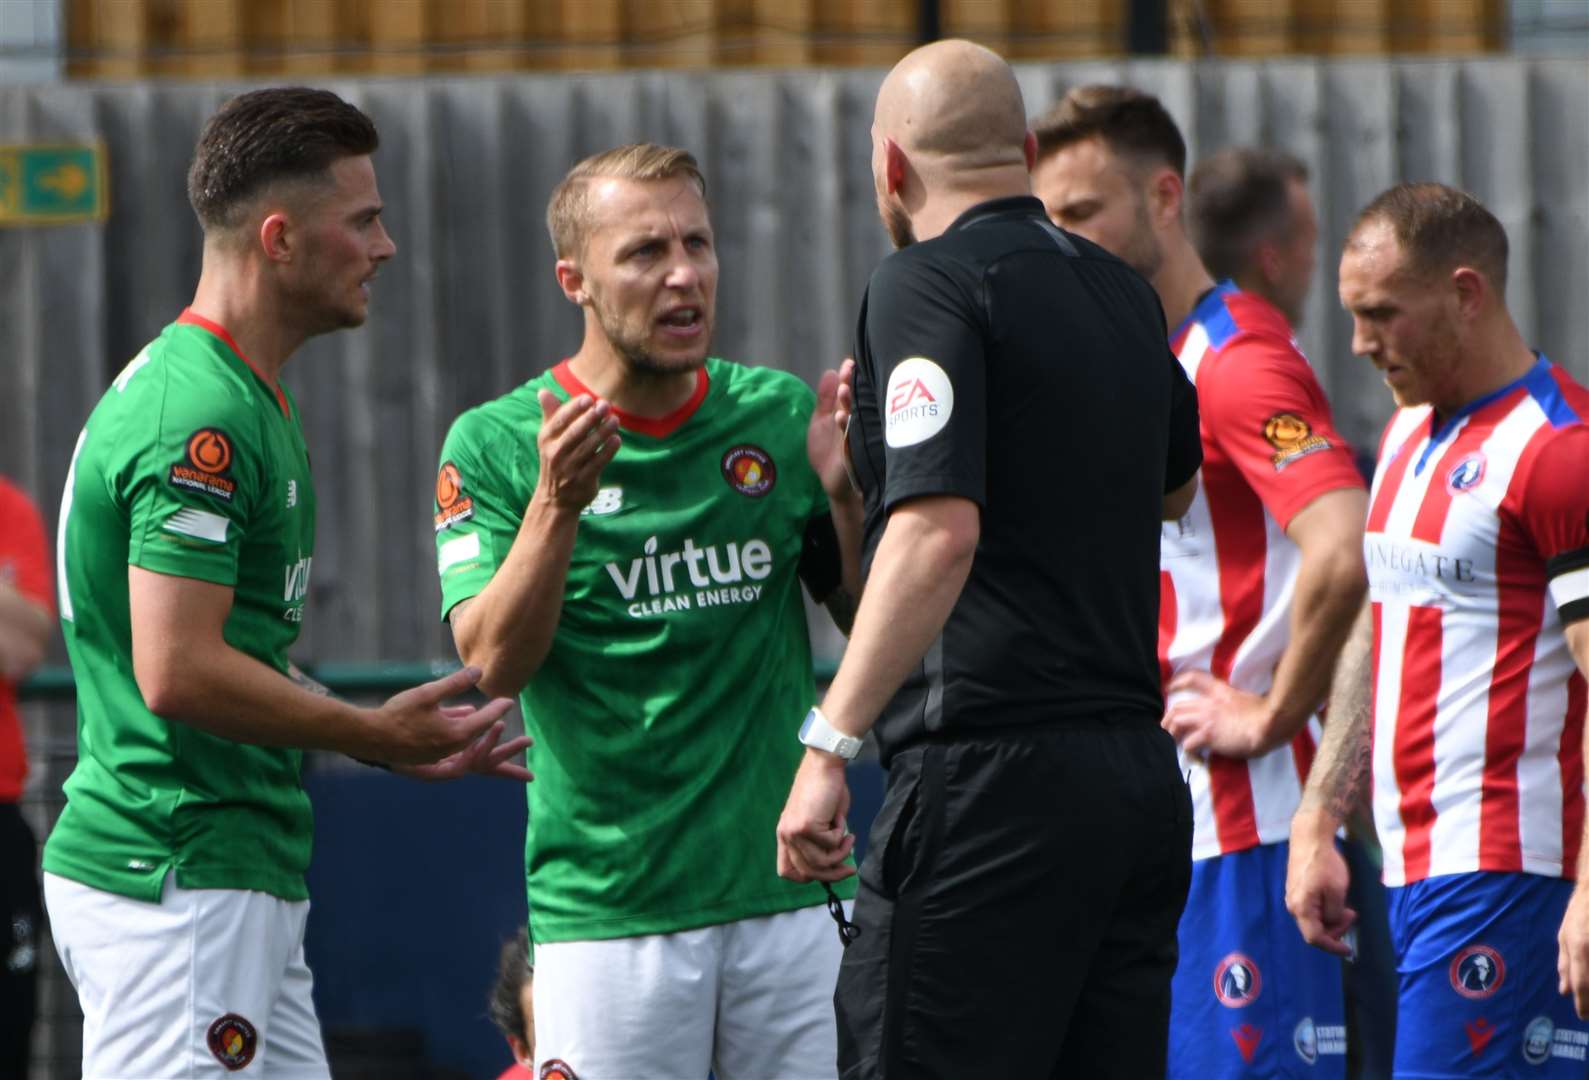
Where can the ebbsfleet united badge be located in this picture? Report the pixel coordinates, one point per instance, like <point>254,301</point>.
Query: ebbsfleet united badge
<point>749,470</point>
<point>233,1041</point>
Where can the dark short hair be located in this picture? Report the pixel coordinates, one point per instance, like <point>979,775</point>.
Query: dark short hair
<point>513,971</point>
<point>1236,199</point>
<point>1131,122</point>
<point>265,136</point>
<point>1439,229</point>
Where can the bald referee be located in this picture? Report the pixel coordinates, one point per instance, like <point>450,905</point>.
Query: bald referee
<point>1019,429</point>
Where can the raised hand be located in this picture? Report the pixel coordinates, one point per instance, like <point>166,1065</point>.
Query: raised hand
<point>577,439</point>
<point>827,442</point>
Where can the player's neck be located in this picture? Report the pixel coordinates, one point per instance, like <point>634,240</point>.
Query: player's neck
<point>942,208</point>
<point>1497,357</point>
<point>1181,280</point>
<point>230,296</point>
<point>639,393</point>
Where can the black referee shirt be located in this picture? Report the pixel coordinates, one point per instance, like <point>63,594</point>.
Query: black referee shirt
<point>1023,368</point>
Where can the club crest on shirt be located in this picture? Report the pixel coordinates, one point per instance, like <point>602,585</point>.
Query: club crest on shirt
<point>1237,981</point>
<point>233,1041</point>
<point>206,459</point>
<point>918,402</point>
<point>1292,438</point>
<point>1466,474</point>
<point>557,1069</point>
<point>1477,972</point>
<point>452,505</point>
<point>749,470</point>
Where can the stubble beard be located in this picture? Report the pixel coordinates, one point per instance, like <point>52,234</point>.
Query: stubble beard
<point>637,357</point>
<point>896,222</point>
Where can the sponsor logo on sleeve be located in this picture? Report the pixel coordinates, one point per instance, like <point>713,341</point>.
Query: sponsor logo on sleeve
<point>233,1041</point>
<point>1465,474</point>
<point>1291,438</point>
<point>1477,972</point>
<point>920,399</point>
<point>206,461</point>
<point>1237,981</point>
<point>452,505</point>
<point>749,470</point>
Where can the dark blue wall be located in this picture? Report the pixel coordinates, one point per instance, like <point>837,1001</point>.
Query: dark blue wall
<point>415,886</point>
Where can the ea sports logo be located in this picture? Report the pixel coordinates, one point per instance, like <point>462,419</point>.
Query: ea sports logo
<point>918,402</point>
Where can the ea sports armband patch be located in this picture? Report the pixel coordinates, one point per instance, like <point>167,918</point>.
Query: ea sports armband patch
<point>207,459</point>
<point>1569,584</point>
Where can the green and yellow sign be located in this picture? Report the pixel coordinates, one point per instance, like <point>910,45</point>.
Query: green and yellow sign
<point>51,183</point>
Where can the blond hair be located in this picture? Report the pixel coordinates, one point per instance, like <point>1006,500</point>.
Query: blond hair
<point>568,210</point>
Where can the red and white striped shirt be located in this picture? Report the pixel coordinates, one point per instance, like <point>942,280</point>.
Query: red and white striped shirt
<point>1478,553</point>
<point>1227,569</point>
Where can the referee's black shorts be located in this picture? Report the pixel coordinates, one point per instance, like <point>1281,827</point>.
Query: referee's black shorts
<point>1018,907</point>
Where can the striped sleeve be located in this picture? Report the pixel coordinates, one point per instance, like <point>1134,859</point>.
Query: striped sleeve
<point>1555,514</point>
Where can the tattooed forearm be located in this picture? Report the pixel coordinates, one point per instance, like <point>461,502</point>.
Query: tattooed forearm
<point>1340,772</point>
<point>297,675</point>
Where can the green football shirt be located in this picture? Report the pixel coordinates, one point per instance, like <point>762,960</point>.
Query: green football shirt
<point>190,465</point>
<point>666,712</point>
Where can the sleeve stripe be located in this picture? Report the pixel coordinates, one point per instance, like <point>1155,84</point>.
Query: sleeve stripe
<point>457,550</point>
<point>1567,560</point>
<point>200,524</point>
<point>1570,588</point>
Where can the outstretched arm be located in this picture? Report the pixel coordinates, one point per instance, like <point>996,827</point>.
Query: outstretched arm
<point>1572,960</point>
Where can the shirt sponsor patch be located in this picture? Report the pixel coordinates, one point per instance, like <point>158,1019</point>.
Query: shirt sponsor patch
<point>1543,1040</point>
<point>1311,1040</point>
<point>749,470</point>
<point>199,524</point>
<point>452,505</point>
<point>919,401</point>
<point>207,460</point>
<point>1292,438</point>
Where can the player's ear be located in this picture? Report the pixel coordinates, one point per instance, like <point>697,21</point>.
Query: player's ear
<point>893,166</point>
<point>1166,190</point>
<point>1472,288</point>
<point>1029,148</point>
<point>275,237</point>
<point>571,279</point>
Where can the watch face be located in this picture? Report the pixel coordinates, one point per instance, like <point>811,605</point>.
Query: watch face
<point>805,726</point>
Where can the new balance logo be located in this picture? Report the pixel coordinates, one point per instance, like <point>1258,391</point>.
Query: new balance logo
<point>292,494</point>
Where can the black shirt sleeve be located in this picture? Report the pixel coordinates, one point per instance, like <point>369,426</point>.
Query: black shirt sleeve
<point>1186,445</point>
<point>923,341</point>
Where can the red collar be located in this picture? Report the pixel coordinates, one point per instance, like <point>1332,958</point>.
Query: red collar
<point>656,426</point>
<point>189,317</point>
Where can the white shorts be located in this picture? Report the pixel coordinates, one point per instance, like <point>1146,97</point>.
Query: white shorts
<point>206,983</point>
<point>749,1000</point>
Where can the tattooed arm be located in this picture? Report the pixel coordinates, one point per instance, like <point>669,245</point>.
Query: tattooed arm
<point>1316,876</point>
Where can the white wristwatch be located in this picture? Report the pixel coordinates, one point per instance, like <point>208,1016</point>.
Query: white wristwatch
<point>817,733</point>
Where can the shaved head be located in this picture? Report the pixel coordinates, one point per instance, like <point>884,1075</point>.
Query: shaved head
<point>953,107</point>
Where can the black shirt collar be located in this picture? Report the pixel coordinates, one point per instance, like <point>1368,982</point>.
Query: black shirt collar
<point>1011,206</point>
